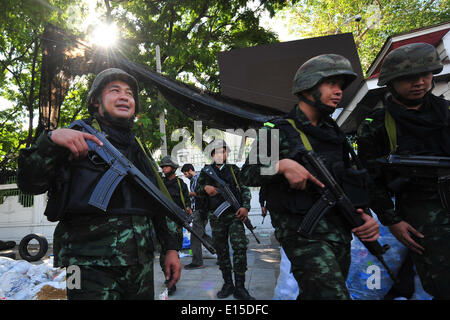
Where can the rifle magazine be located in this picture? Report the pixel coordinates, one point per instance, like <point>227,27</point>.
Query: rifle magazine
<point>105,188</point>
<point>313,216</point>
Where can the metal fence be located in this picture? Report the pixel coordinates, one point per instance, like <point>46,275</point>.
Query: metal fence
<point>10,189</point>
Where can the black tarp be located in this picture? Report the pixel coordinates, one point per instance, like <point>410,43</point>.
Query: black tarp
<point>213,109</point>
<point>65,57</point>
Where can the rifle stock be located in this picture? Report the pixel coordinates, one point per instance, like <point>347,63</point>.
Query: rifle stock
<point>120,167</point>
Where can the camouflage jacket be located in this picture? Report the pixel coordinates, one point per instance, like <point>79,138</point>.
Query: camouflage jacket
<point>373,143</point>
<point>204,180</point>
<point>285,223</point>
<point>92,238</point>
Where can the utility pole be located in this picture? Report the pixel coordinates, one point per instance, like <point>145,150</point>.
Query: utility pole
<point>356,18</point>
<point>162,117</point>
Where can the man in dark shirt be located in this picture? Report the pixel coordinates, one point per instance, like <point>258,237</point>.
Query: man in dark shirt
<point>200,218</point>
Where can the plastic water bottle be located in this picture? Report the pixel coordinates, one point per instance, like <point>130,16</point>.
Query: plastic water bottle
<point>164,295</point>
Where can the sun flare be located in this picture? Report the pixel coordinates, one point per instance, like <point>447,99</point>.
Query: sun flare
<point>104,35</point>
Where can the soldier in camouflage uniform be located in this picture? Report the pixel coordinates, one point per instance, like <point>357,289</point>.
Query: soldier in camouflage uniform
<point>228,226</point>
<point>114,251</point>
<point>320,264</point>
<point>414,122</point>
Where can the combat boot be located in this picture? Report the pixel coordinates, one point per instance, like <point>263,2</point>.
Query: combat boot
<point>240,293</point>
<point>228,287</point>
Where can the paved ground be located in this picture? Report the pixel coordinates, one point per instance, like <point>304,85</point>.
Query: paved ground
<point>203,284</point>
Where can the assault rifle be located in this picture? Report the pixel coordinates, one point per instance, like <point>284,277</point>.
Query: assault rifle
<point>429,167</point>
<point>333,196</point>
<point>230,199</point>
<point>119,168</point>
<point>422,166</point>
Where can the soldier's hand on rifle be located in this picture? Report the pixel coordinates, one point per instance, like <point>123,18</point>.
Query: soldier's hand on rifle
<point>370,230</point>
<point>401,231</point>
<point>173,267</point>
<point>189,210</point>
<point>74,140</point>
<point>296,174</point>
<point>210,190</point>
<point>242,214</point>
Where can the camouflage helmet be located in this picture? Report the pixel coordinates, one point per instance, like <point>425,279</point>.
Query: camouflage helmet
<point>410,59</point>
<point>317,68</point>
<point>105,77</point>
<point>168,161</point>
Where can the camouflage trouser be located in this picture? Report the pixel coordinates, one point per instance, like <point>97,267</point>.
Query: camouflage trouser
<point>320,267</point>
<point>227,226</point>
<point>423,210</point>
<point>115,283</point>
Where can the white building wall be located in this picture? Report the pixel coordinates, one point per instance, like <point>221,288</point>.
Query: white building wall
<point>17,221</point>
<point>442,88</point>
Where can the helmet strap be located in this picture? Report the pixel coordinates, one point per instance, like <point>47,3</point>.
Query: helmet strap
<point>114,121</point>
<point>405,101</point>
<point>324,110</point>
<point>171,172</point>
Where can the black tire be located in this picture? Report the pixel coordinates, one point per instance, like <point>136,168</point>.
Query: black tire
<point>23,247</point>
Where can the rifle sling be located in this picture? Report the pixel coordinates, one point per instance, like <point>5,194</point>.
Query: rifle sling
<point>160,182</point>
<point>391,130</point>
<point>181,194</point>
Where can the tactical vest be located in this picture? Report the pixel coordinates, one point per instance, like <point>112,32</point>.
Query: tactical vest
<point>71,191</point>
<point>282,198</point>
<point>391,129</point>
<point>176,192</point>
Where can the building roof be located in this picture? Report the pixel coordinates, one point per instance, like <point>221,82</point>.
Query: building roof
<point>432,35</point>
<point>370,94</point>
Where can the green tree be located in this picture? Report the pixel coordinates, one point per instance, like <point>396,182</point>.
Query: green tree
<point>379,20</point>
<point>190,35</point>
<point>20,60</point>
